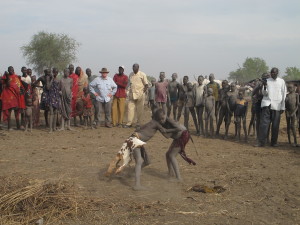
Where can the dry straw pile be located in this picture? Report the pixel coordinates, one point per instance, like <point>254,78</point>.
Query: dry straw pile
<point>26,202</point>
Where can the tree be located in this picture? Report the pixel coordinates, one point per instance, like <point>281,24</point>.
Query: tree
<point>292,73</point>
<point>50,50</point>
<point>252,69</point>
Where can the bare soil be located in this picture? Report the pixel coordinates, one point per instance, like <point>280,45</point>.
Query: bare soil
<point>262,184</point>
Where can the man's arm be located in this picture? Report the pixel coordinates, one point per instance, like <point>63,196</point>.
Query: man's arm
<point>283,92</point>
<point>113,87</point>
<point>92,85</point>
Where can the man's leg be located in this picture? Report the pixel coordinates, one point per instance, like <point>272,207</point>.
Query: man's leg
<point>115,112</point>
<point>140,110</point>
<point>107,112</point>
<point>186,117</point>
<point>264,125</point>
<point>121,107</point>
<point>97,116</point>
<point>174,109</point>
<point>130,110</point>
<point>138,168</point>
<point>172,162</point>
<point>275,116</point>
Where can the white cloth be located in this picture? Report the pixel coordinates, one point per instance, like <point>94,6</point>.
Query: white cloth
<point>274,94</point>
<point>27,79</point>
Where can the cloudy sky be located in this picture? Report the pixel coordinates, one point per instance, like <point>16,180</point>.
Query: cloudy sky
<point>190,37</point>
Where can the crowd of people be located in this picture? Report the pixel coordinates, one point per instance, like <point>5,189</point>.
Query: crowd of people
<point>79,94</point>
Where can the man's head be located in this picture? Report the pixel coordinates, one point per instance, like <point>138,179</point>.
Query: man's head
<point>200,79</point>
<point>210,91</point>
<point>33,79</point>
<point>159,116</point>
<point>71,68</point>
<point>78,70</point>
<point>153,80</point>
<point>66,72</point>
<point>104,72</point>
<point>29,72</point>
<point>189,86</point>
<point>47,72</point>
<point>241,93</point>
<point>274,73</point>
<point>174,76</point>
<point>121,70</point>
<point>24,71</point>
<point>10,70</point>
<point>55,72</point>
<point>291,88</point>
<point>185,80</point>
<point>85,90</point>
<point>88,72</point>
<point>162,76</point>
<point>211,77</point>
<point>225,84</point>
<point>135,68</point>
<point>232,87</point>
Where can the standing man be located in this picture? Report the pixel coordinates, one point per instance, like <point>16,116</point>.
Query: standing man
<point>91,77</point>
<point>118,105</point>
<point>103,88</point>
<point>173,89</point>
<point>216,87</point>
<point>138,85</point>
<point>272,104</point>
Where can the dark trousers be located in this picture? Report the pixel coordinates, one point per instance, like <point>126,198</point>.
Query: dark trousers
<point>106,106</point>
<point>269,116</point>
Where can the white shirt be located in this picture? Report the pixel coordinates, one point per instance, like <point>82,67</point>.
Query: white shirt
<point>274,94</point>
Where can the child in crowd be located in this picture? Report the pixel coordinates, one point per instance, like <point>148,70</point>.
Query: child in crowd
<point>87,108</point>
<point>240,115</point>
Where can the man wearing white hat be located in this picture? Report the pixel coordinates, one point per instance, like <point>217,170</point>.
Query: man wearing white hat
<point>103,88</point>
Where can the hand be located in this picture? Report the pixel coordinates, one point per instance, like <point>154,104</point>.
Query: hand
<point>109,95</point>
<point>60,93</point>
<point>163,130</point>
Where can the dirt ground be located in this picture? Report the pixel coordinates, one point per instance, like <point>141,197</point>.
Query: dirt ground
<point>262,184</point>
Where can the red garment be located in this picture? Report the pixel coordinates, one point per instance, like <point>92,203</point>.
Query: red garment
<point>121,81</point>
<point>10,96</point>
<point>75,89</point>
<point>181,142</point>
<point>87,101</point>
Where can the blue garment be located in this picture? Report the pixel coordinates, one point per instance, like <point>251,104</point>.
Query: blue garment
<point>102,87</point>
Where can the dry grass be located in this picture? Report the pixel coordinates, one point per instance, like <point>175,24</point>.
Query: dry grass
<point>24,202</point>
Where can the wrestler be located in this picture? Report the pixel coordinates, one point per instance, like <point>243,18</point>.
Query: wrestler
<point>180,136</point>
<point>145,133</point>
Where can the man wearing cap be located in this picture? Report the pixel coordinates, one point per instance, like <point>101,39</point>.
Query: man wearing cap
<point>103,88</point>
<point>118,105</point>
<point>138,85</point>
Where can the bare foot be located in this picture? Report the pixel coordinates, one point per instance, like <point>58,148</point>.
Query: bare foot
<point>175,180</point>
<point>139,188</point>
<point>61,129</point>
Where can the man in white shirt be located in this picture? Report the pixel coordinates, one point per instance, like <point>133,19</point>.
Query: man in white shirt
<point>272,105</point>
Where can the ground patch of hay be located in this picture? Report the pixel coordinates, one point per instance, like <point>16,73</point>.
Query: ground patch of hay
<point>24,202</point>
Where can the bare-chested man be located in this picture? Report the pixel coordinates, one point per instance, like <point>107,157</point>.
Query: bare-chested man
<point>200,92</point>
<point>223,107</point>
<point>173,89</point>
<point>181,97</point>
<point>161,92</point>
<point>240,115</point>
<point>209,115</point>
<point>231,106</point>
<point>216,87</point>
<point>190,107</point>
<point>291,104</point>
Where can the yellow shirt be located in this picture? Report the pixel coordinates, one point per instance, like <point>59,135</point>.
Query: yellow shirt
<point>137,83</point>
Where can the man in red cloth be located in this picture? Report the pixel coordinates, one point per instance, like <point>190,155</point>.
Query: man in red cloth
<point>11,96</point>
<point>75,89</point>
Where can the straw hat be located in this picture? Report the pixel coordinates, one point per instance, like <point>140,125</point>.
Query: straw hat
<point>104,70</point>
